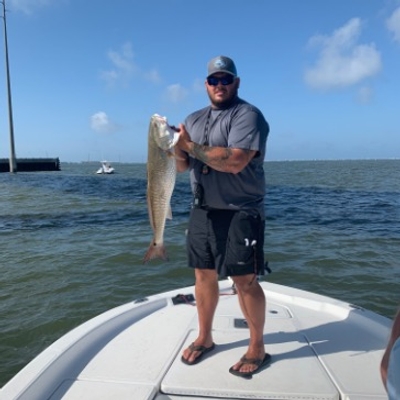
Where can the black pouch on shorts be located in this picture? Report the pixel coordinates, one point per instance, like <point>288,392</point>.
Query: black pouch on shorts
<point>244,251</point>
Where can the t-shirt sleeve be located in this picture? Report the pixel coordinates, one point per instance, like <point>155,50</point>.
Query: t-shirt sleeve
<point>248,130</point>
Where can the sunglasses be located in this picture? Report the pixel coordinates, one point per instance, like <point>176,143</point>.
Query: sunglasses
<point>225,80</point>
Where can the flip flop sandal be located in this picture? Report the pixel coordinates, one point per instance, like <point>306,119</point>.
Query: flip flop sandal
<point>259,363</point>
<point>201,349</point>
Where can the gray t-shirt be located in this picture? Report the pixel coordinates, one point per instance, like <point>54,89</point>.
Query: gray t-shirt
<point>240,126</point>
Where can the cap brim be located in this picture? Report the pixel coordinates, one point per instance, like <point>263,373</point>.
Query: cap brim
<point>221,71</point>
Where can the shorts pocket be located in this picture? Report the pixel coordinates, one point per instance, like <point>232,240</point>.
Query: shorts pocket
<point>242,242</point>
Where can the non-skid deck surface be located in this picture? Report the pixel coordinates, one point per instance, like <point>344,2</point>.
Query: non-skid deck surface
<point>294,372</point>
<point>313,355</point>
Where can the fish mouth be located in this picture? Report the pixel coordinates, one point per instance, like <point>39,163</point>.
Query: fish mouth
<point>158,118</point>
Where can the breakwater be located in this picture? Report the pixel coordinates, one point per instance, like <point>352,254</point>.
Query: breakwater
<point>32,164</point>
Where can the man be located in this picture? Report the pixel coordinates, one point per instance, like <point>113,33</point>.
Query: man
<point>390,364</point>
<point>223,146</point>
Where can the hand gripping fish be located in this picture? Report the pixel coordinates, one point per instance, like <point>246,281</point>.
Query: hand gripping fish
<point>161,175</point>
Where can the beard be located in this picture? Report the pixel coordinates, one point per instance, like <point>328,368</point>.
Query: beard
<point>226,101</point>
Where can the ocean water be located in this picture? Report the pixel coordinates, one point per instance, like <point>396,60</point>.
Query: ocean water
<point>72,243</point>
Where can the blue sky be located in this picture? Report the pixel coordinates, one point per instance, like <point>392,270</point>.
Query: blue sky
<point>87,75</point>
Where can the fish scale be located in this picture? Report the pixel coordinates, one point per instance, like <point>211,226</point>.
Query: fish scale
<point>161,176</point>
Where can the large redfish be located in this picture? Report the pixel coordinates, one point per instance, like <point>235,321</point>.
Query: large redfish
<point>161,175</point>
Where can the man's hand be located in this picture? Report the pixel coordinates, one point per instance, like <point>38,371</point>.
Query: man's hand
<point>181,153</point>
<point>223,159</point>
<point>184,139</point>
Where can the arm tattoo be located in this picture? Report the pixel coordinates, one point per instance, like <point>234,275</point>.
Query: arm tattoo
<point>220,158</point>
<point>202,153</point>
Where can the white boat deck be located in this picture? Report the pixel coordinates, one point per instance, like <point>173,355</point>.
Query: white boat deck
<point>322,349</point>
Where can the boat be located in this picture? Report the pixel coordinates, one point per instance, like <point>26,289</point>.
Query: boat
<point>105,168</point>
<point>321,348</point>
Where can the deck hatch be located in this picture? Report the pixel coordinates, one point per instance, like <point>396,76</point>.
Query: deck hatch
<point>288,376</point>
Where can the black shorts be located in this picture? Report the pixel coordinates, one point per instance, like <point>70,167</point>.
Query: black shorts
<point>231,242</point>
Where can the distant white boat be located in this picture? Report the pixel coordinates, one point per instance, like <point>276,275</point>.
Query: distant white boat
<point>105,168</point>
<point>321,348</point>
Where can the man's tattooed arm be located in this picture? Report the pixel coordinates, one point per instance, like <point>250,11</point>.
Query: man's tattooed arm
<point>223,159</point>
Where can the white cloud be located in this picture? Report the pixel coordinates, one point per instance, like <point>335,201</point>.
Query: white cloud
<point>123,59</point>
<point>152,76</point>
<point>393,24</point>
<point>101,123</point>
<point>176,93</point>
<point>123,66</point>
<point>27,6</point>
<point>342,61</point>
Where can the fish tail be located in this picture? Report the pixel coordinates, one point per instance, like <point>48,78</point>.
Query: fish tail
<point>155,251</point>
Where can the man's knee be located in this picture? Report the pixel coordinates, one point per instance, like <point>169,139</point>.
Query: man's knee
<point>245,282</point>
<point>205,275</point>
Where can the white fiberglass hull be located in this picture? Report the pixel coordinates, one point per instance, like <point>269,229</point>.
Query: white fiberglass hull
<point>321,349</point>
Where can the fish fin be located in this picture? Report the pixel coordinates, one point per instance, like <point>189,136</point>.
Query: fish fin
<point>169,212</point>
<point>155,251</point>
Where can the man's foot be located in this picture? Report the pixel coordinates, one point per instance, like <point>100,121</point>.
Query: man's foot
<point>252,366</point>
<point>193,349</point>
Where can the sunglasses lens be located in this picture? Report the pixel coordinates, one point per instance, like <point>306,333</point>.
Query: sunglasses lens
<point>226,80</point>
<point>212,81</point>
